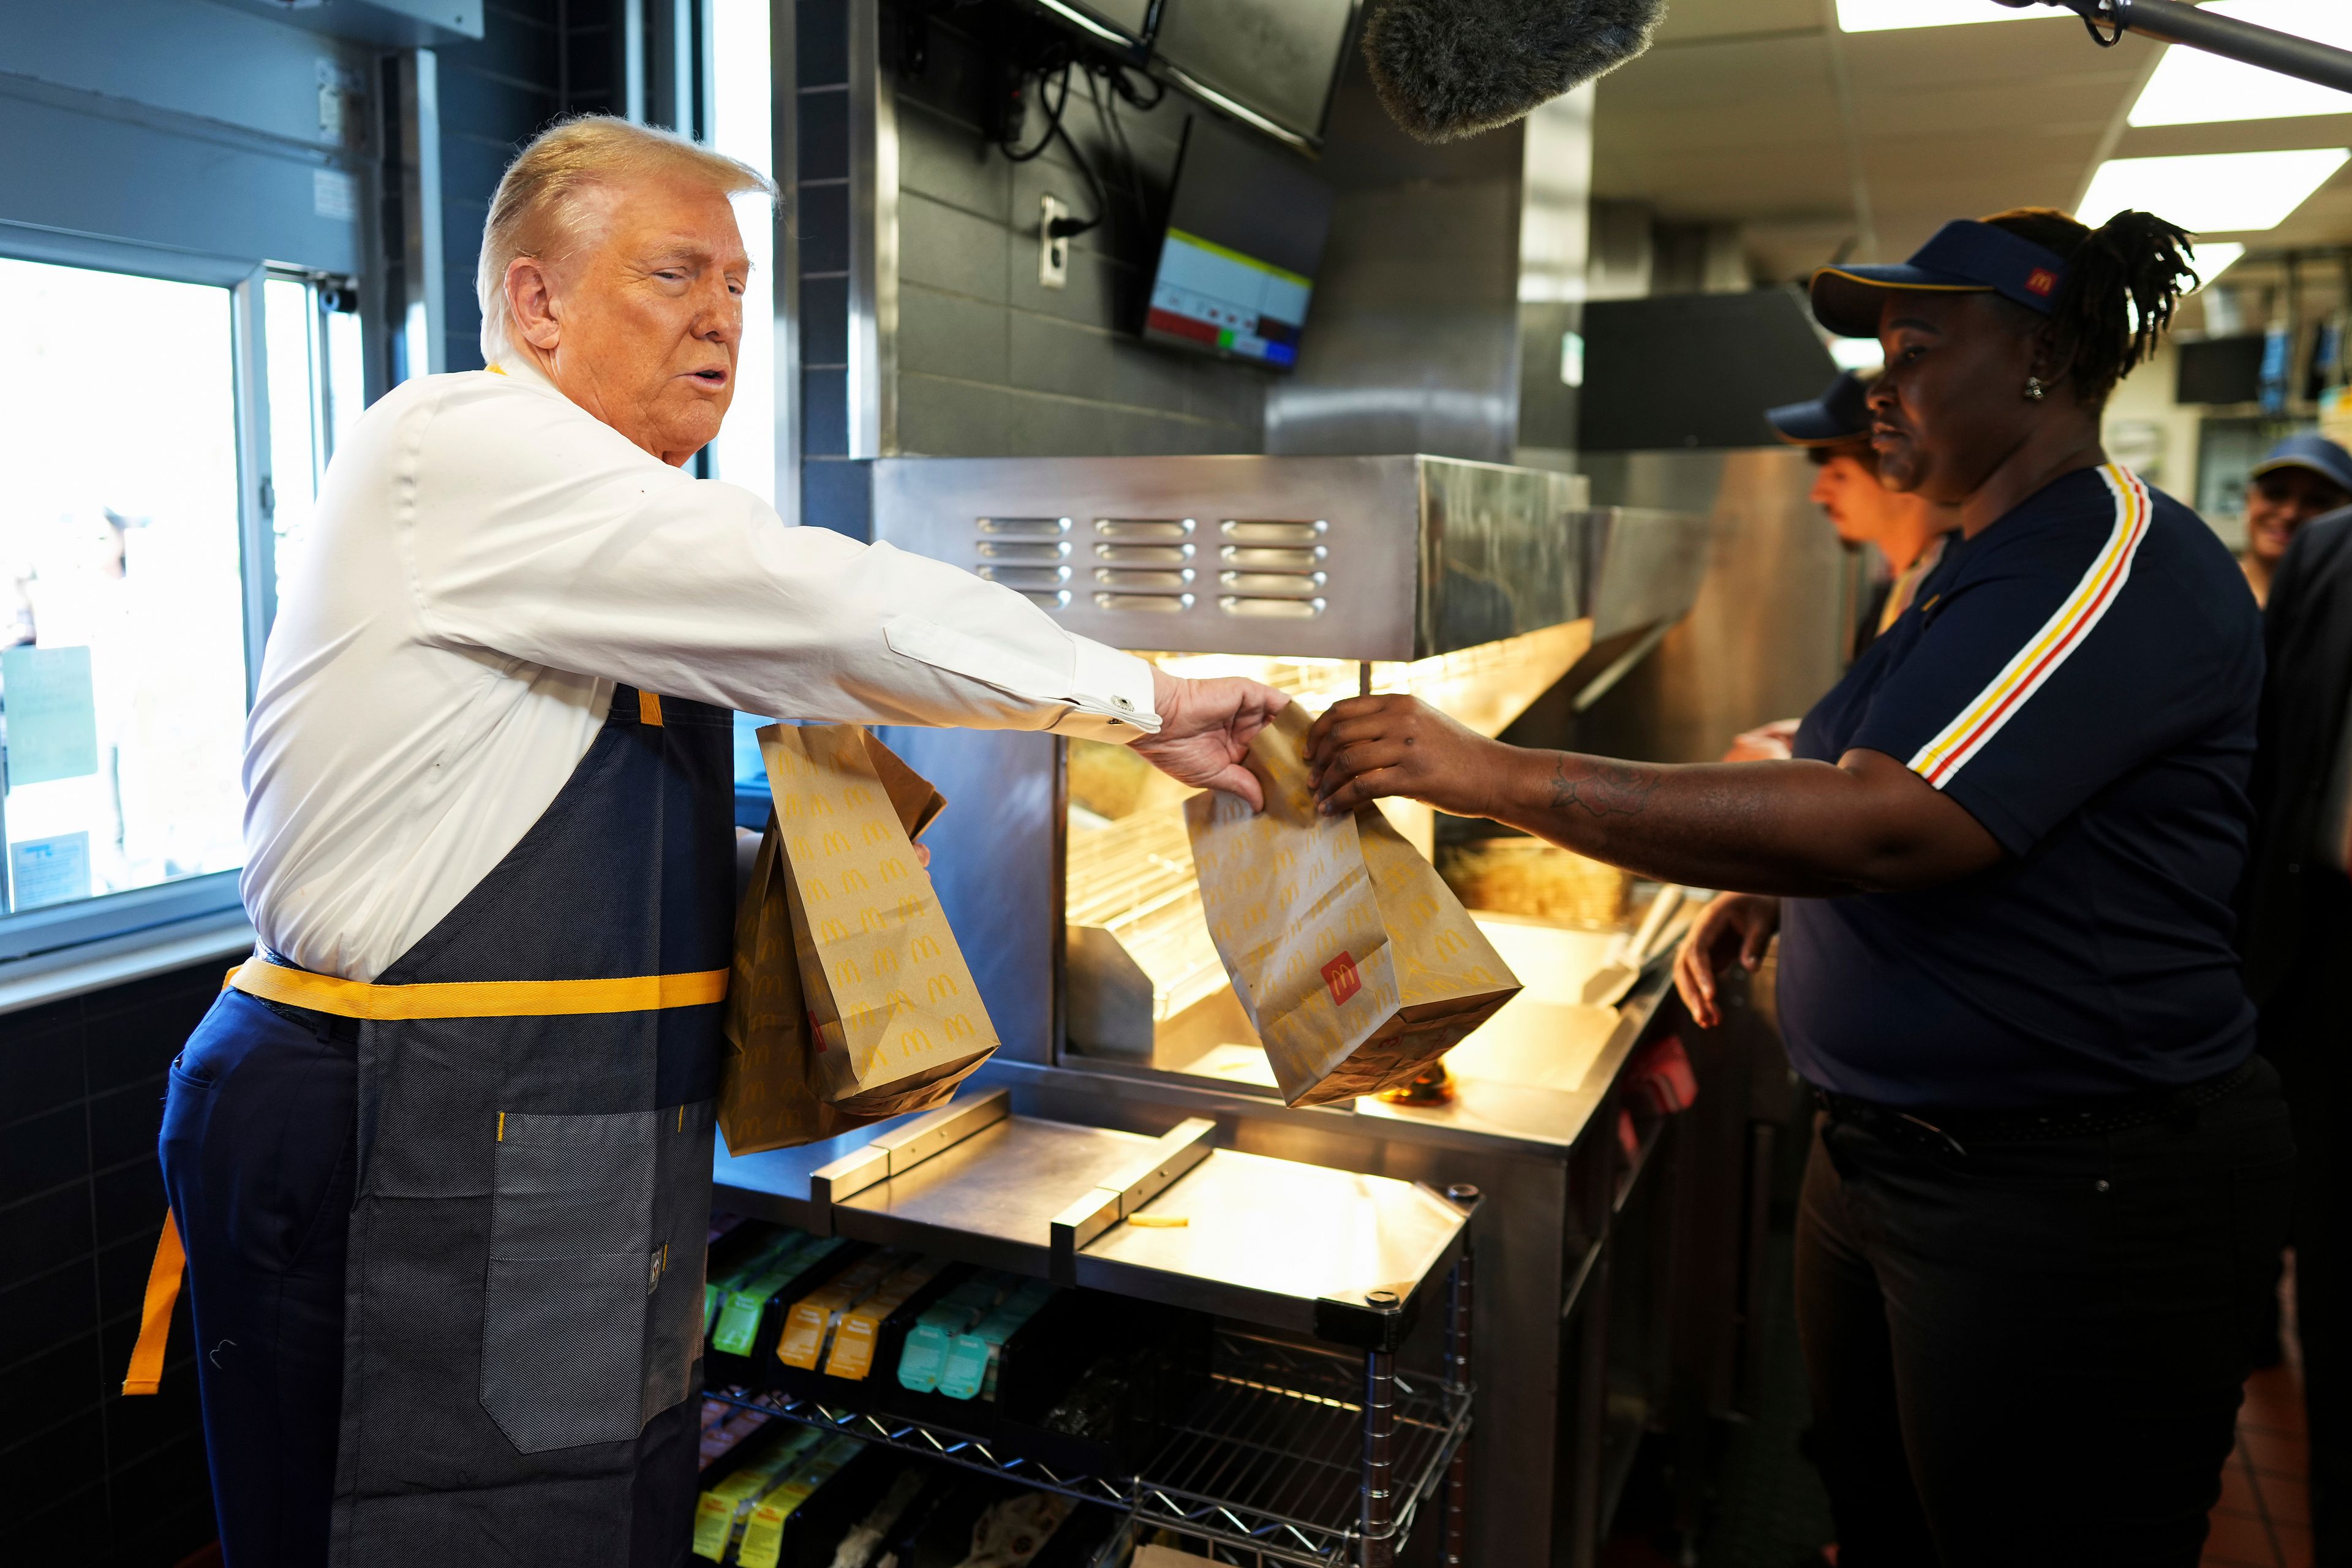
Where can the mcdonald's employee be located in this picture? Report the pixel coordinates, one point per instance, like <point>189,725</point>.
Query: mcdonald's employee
<point>441,1157</point>
<point>2049,1176</point>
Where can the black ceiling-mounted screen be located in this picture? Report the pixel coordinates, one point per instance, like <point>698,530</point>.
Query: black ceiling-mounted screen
<point>1272,63</point>
<point>1247,223</point>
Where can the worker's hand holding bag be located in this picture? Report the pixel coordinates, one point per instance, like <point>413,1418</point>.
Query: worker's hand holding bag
<point>1357,966</point>
<point>849,1000</point>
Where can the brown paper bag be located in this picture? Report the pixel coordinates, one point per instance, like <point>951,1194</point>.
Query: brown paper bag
<point>1357,966</point>
<point>863,1009</point>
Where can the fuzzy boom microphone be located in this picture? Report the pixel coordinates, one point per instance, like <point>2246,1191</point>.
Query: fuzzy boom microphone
<point>1449,69</point>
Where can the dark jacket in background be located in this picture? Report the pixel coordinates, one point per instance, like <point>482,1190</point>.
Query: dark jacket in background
<point>2298,909</point>
<point>2297,940</point>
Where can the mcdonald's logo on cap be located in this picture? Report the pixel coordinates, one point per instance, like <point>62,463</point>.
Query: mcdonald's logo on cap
<point>1340,976</point>
<point>2041,281</point>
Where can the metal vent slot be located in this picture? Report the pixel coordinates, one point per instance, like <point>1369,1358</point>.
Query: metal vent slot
<point>1251,531</point>
<point>1025,527</point>
<point>1027,576</point>
<point>1144,554</point>
<point>1144,581</point>
<point>1056,601</point>
<point>1007,549</point>
<point>1145,603</point>
<point>1247,559</point>
<point>1270,609</point>
<point>1281,585</point>
<point>1143,528</point>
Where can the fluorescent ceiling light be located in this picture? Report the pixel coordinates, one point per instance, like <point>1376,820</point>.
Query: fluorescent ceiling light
<point>2193,87</point>
<point>1857,353</point>
<point>2212,260</point>
<point>1884,16</point>
<point>2211,193</point>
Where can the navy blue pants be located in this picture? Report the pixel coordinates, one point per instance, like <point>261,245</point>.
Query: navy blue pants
<point>259,1129</point>
<point>2030,1354</point>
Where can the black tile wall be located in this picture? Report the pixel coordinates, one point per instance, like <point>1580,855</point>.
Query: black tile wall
<point>992,362</point>
<point>85,1475</point>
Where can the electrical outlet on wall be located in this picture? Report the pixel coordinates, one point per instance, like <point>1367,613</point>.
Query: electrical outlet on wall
<point>1053,249</point>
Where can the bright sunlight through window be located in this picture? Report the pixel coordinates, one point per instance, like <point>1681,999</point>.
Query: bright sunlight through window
<point>745,452</point>
<point>2193,87</point>
<point>1884,16</point>
<point>2211,193</point>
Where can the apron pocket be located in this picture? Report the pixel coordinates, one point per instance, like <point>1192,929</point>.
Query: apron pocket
<point>561,1342</point>
<point>564,1303</point>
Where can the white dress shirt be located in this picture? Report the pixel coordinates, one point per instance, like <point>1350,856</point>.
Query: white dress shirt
<point>487,561</point>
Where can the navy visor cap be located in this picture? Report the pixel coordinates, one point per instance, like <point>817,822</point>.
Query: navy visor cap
<point>2317,452</point>
<point>1841,414</point>
<point>1964,257</point>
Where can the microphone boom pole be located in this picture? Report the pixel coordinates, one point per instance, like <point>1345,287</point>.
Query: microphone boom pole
<point>2171,22</point>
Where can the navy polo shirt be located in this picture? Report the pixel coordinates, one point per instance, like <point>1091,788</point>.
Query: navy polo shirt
<point>2084,678</point>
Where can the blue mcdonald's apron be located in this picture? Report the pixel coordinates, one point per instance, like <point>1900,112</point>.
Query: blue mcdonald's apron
<point>523,1288</point>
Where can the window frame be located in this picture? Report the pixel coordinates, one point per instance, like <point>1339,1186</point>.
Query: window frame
<point>51,928</point>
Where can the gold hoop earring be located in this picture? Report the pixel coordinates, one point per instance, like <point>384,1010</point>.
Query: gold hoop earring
<point>2035,389</point>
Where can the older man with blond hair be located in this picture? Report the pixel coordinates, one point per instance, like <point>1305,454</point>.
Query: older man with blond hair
<point>441,1155</point>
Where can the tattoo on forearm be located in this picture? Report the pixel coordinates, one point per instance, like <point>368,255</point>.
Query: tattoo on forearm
<point>1601,788</point>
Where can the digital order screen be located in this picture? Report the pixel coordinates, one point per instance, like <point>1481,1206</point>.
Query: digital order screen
<point>1218,298</point>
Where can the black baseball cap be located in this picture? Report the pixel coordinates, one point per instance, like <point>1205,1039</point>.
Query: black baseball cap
<point>1964,257</point>
<point>1840,414</point>
<point>2317,452</point>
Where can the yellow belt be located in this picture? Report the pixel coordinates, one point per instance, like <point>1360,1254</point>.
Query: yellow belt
<point>257,976</point>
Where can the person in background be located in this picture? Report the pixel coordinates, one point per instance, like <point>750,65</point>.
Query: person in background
<point>2049,1174</point>
<point>2297,941</point>
<point>1909,533</point>
<point>2304,477</point>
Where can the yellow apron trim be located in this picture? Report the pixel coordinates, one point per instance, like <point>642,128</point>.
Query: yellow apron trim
<point>648,709</point>
<point>257,976</point>
<point>155,1318</point>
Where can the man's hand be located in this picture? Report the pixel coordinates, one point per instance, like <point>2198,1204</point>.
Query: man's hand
<point>1366,747</point>
<point>1736,925</point>
<point>1206,730</point>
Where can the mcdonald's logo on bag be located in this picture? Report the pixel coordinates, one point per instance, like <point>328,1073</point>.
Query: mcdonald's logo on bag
<point>922,947</point>
<point>853,880</point>
<point>874,919</point>
<point>832,931</point>
<point>894,869</point>
<point>855,796</point>
<point>875,833</point>
<point>845,974</point>
<point>943,986</point>
<point>836,842</point>
<point>885,961</point>
<point>959,1026</point>
<point>1340,976</point>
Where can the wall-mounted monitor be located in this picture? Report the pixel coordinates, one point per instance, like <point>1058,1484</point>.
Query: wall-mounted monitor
<point>1245,228</point>
<point>1125,25</point>
<point>1272,63</point>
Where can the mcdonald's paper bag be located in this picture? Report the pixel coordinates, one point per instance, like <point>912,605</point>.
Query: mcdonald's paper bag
<point>1357,966</point>
<point>849,1000</point>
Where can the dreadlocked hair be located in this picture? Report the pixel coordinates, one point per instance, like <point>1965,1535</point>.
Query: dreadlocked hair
<point>2123,279</point>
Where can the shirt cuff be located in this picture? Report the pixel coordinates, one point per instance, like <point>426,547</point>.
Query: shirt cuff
<point>1110,696</point>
